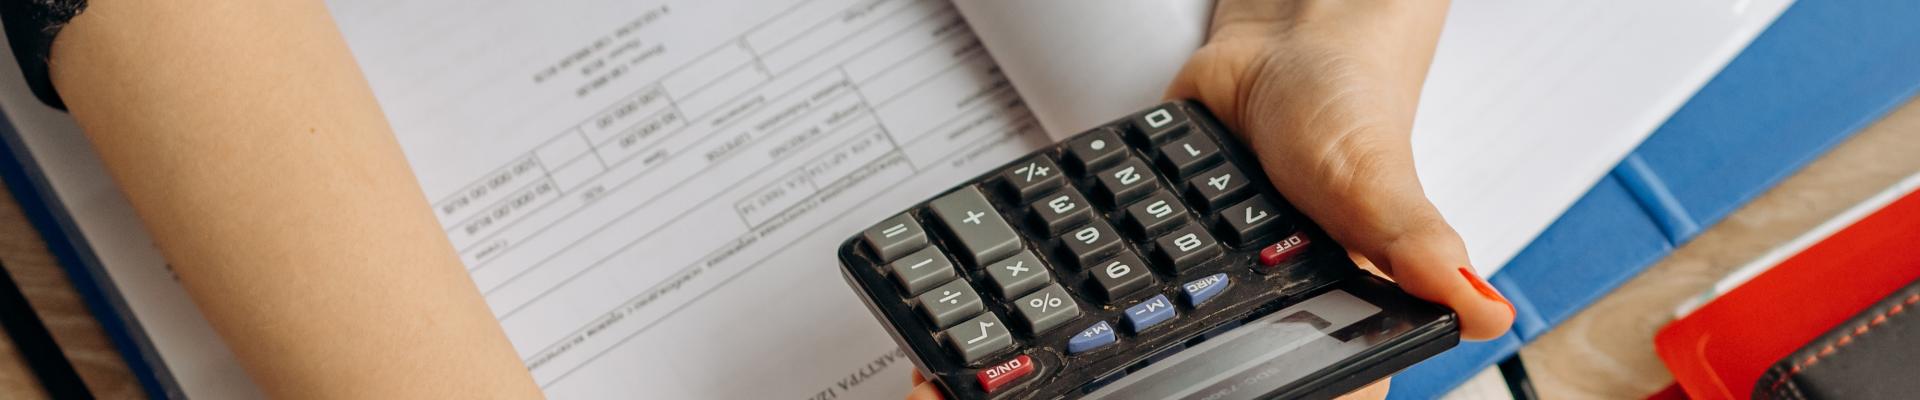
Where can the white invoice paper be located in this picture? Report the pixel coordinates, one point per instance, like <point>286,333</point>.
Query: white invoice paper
<point>651,193</point>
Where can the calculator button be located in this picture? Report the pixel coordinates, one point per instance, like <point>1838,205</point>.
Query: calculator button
<point>1156,213</point>
<point>1031,177</point>
<point>1018,275</point>
<point>992,378</point>
<point>1095,150</point>
<point>950,303</point>
<point>1120,276</point>
<point>981,235</point>
<point>1250,219</point>
<point>1149,313</point>
<point>896,236</point>
<point>1159,123</point>
<point>1216,187</point>
<point>1125,182</point>
<point>1187,155</point>
<point>1284,250</point>
<point>1046,309</point>
<point>1186,247</point>
<point>922,270</point>
<point>1093,337</point>
<point>979,337</point>
<point>1090,242</point>
<point>1057,212</point>
<point>1200,290</point>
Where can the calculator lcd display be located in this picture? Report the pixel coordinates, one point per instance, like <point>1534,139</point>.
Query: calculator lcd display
<point>1255,359</point>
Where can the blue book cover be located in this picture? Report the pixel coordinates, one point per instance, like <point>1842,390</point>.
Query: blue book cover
<point>1821,72</point>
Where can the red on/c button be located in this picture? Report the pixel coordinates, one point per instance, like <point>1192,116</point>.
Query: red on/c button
<point>1003,373</point>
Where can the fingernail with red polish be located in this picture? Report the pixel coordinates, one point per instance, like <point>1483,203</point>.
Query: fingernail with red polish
<point>1485,289</point>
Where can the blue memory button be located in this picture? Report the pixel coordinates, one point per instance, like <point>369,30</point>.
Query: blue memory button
<point>1095,336</point>
<point>1149,313</point>
<point>1203,289</point>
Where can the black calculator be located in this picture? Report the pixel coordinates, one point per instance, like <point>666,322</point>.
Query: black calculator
<point>1145,259</point>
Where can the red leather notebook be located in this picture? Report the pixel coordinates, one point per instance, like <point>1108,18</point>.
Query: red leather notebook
<point>1721,348</point>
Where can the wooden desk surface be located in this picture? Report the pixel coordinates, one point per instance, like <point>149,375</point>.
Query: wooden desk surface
<point>1605,352</point>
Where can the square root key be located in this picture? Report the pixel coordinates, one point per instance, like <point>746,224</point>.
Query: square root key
<point>979,337</point>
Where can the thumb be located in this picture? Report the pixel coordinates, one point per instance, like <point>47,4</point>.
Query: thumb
<point>1367,196</point>
<point>1344,158</point>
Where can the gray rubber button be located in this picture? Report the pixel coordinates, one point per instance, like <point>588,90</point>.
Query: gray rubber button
<point>1032,177</point>
<point>1122,183</point>
<point>1159,123</point>
<point>1156,213</point>
<point>1090,242</point>
<point>896,236</point>
<point>1251,219</point>
<point>1046,309</point>
<point>1059,211</point>
<point>982,235</point>
<point>1018,275</point>
<point>1213,189</point>
<point>922,270</point>
<point>950,303</point>
<point>1186,248</point>
<point>1117,277</point>
<point>979,337</point>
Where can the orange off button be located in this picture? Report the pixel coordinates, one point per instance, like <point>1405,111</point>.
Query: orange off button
<point>1003,373</point>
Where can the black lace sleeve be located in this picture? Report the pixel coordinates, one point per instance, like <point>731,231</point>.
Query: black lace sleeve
<point>31,25</point>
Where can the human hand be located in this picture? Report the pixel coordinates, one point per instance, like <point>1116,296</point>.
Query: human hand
<point>1324,92</point>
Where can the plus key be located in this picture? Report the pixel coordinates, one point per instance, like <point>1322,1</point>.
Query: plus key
<point>981,234</point>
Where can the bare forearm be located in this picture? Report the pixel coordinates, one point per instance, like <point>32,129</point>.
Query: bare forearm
<point>249,143</point>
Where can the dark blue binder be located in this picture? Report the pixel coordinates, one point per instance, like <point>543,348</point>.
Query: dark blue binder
<point>1821,72</point>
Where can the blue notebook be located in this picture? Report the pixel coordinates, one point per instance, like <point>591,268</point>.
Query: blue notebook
<point>1821,72</point>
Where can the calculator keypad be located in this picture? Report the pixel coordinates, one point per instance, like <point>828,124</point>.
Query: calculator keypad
<point>1044,254</point>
